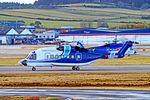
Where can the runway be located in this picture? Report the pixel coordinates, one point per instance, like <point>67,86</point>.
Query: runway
<point>91,94</point>
<point>94,94</point>
<point>99,68</point>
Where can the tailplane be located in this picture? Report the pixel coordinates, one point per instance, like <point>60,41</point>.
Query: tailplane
<point>124,48</point>
<point>80,44</point>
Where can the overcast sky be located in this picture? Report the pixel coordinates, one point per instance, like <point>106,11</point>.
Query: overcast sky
<point>20,1</point>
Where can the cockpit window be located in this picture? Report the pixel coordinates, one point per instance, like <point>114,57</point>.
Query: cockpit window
<point>32,56</point>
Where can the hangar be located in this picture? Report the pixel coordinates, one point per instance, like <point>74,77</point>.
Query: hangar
<point>99,36</point>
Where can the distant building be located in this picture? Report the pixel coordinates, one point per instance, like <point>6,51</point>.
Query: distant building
<point>3,39</point>
<point>11,35</point>
<point>26,37</point>
<point>10,24</point>
<point>12,32</point>
<point>48,35</point>
<point>99,36</point>
<point>30,28</point>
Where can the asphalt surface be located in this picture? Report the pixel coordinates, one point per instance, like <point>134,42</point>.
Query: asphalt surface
<point>91,94</point>
<point>79,93</point>
<point>99,68</point>
<point>143,54</point>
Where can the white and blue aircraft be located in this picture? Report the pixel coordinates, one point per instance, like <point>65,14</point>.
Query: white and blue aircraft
<point>74,56</point>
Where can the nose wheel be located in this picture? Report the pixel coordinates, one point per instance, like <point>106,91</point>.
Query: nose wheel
<point>33,69</point>
<point>77,68</point>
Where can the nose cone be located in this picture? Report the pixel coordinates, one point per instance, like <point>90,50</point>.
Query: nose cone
<point>23,62</point>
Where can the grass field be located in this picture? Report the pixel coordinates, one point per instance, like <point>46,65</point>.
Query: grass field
<point>131,80</point>
<point>128,60</point>
<point>9,61</point>
<point>76,12</point>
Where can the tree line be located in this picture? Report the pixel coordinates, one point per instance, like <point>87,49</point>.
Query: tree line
<point>129,4</point>
<point>11,5</point>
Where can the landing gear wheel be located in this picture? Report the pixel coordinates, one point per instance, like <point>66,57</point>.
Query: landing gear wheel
<point>77,68</point>
<point>73,68</point>
<point>33,69</point>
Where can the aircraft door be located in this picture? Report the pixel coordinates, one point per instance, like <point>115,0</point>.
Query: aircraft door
<point>78,56</point>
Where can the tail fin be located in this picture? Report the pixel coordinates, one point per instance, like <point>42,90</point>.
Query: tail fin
<point>124,48</point>
<point>80,44</point>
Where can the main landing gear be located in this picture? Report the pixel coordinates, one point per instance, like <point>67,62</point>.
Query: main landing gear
<point>33,69</point>
<point>76,68</point>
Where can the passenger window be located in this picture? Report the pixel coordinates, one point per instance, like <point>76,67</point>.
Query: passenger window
<point>52,56</point>
<point>72,56</point>
<point>68,56</point>
<point>78,56</point>
<point>56,56</point>
<point>47,56</point>
<point>93,50</point>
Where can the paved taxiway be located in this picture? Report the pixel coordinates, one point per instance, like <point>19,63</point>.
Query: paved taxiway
<point>99,68</point>
<point>79,93</point>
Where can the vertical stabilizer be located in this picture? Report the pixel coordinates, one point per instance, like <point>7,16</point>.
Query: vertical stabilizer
<point>80,44</point>
<point>124,48</point>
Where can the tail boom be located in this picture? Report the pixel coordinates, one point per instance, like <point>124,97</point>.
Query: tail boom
<point>122,51</point>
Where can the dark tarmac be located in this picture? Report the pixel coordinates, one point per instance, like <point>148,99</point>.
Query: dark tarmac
<point>94,94</point>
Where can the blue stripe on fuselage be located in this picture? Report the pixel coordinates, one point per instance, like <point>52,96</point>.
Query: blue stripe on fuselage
<point>67,50</point>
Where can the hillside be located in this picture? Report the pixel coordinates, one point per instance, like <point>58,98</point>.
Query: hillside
<point>74,14</point>
<point>51,4</point>
<point>131,4</point>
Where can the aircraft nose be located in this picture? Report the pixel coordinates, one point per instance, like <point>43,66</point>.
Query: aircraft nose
<point>23,62</point>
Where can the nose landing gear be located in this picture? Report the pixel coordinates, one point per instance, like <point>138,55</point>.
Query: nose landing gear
<point>33,69</point>
<point>77,68</point>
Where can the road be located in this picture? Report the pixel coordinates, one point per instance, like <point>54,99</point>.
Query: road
<point>79,93</point>
<point>99,68</point>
